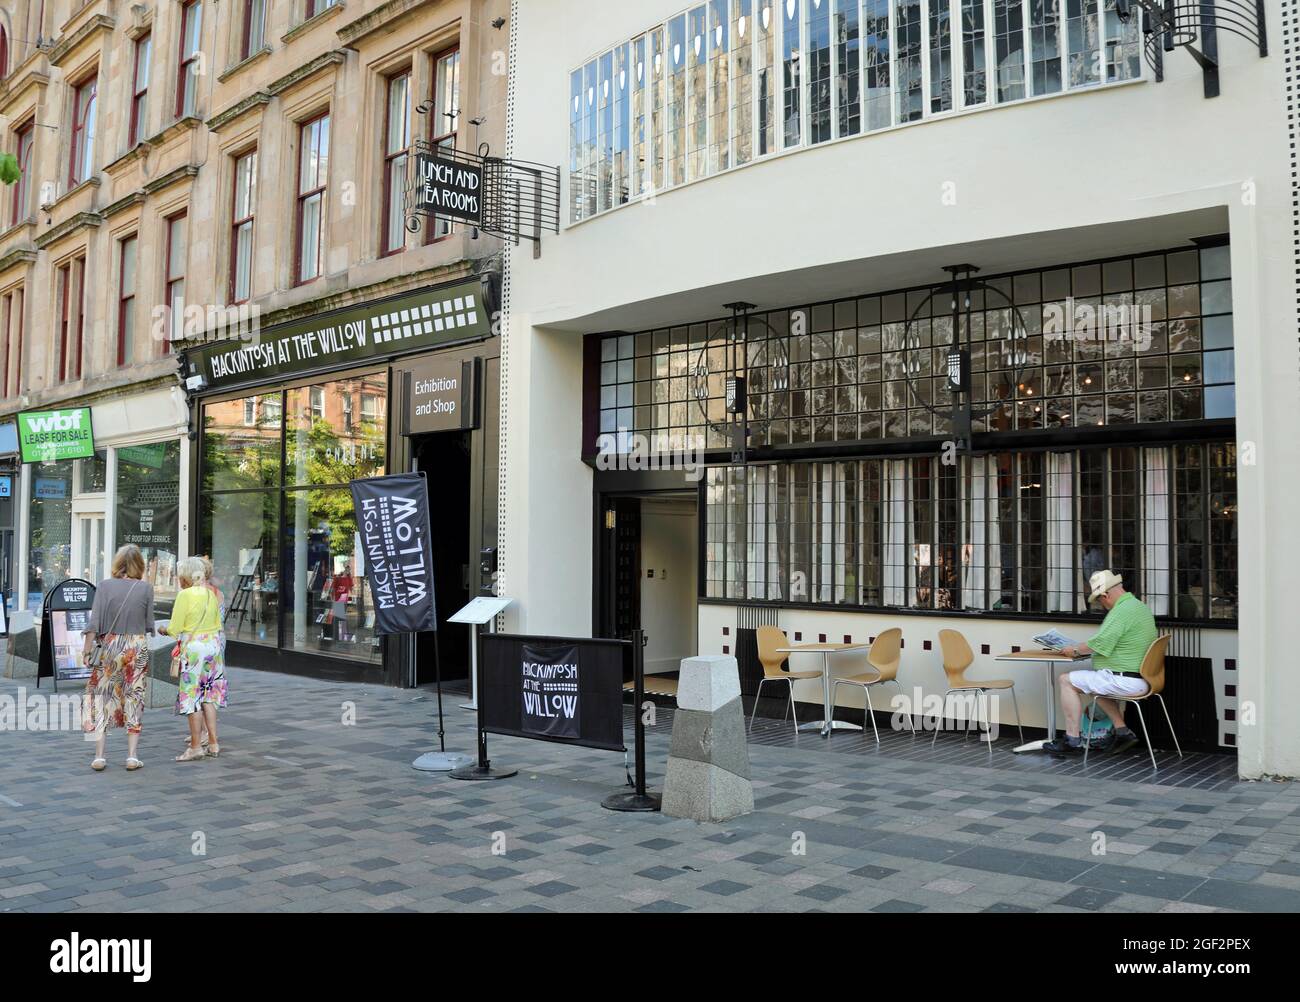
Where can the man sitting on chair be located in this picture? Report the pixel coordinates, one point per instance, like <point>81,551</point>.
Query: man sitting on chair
<point>1117,650</point>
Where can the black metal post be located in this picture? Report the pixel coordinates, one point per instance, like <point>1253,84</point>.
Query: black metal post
<point>640,800</point>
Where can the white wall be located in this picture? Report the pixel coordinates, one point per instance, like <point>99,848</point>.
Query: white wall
<point>668,605</point>
<point>1111,171</point>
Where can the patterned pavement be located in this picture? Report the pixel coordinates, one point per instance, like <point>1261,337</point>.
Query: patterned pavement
<point>305,813</point>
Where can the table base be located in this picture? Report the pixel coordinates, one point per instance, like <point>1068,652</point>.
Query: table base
<point>837,725</point>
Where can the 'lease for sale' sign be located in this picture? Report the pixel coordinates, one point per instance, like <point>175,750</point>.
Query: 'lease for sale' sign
<point>47,436</point>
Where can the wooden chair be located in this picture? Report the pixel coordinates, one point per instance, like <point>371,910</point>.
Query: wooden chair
<point>957,657</point>
<point>883,659</point>
<point>1153,671</point>
<point>770,641</point>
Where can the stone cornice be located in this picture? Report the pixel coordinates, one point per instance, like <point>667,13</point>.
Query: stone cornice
<point>124,203</point>
<point>170,178</point>
<point>231,70</point>
<point>223,118</point>
<point>381,17</point>
<point>304,26</point>
<point>321,62</point>
<point>125,160</point>
<point>100,22</point>
<point>9,95</point>
<point>91,182</point>
<point>186,124</point>
<point>82,220</point>
<point>19,255</point>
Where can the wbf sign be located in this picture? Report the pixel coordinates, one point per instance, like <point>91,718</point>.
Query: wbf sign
<point>46,436</point>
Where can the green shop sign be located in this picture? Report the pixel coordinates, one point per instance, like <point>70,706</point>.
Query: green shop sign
<point>413,322</point>
<point>46,436</point>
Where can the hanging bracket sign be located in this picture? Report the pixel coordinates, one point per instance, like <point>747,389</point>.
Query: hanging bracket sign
<point>451,189</point>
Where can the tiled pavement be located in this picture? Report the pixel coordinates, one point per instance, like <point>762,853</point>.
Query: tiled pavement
<point>302,813</point>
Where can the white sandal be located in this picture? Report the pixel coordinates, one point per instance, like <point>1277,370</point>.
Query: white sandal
<point>133,763</point>
<point>191,755</point>
<point>99,764</point>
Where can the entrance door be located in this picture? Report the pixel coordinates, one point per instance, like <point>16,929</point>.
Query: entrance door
<point>444,458</point>
<point>650,575</point>
<point>88,542</point>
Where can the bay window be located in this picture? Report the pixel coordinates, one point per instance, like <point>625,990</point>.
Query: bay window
<point>446,122</point>
<point>254,28</point>
<point>126,260</point>
<point>139,89</point>
<point>243,209</point>
<point>188,65</point>
<point>81,160</point>
<point>397,143</point>
<point>177,248</point>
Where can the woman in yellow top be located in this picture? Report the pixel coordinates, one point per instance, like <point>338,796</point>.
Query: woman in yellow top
<point>196,625</point>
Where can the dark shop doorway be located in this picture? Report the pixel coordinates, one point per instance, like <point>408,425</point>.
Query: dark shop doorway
<point>444,459</point>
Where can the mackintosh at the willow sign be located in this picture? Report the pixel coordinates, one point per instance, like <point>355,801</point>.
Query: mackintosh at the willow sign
<point>393,523</point>
<point>549,676</point>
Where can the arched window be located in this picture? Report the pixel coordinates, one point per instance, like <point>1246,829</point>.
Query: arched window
<point>4,52</point>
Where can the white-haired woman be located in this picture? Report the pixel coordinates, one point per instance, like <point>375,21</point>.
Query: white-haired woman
<point>196,625</point>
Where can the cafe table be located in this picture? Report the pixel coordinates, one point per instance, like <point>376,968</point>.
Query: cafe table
<point>827,723</point>
<point>1050,660</point>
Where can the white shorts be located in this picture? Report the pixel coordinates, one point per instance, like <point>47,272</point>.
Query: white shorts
<point>1104,682</point>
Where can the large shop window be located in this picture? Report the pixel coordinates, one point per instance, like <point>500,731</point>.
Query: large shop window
<point>148,512</point>
<point>728,80</point>
<point>1133,340</point>
<point>49,553</point>
<point>1016,532</point>
<point>276,513</point>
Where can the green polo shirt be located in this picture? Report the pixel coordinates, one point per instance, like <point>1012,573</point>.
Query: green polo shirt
<point>1127,632</point>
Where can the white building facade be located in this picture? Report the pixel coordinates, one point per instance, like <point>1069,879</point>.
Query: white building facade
<point>1129,336</point>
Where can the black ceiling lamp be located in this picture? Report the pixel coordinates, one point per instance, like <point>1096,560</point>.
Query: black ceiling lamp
<point>1194,25</point>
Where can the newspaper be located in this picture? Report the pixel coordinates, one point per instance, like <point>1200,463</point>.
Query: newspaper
<point>1054,640</point>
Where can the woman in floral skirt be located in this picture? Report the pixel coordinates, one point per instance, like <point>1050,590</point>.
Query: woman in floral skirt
<point>196,625</point>
<point>117,654</point>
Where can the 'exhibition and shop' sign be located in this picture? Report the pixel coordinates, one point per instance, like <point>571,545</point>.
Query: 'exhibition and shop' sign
<point>47,436</point>
<point>392,516</point>
<point>417,321</point>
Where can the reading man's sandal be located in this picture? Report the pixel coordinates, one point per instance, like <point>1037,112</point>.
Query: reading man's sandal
<point>132,764</point>
<point>99,764</point>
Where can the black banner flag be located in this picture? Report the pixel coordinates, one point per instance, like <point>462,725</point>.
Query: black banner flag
<point>393,524</point>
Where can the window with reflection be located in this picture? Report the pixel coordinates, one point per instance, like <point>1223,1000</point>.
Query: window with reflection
<point>791,74</point>
<point>240,534</point>
<point>697,100</point>
<point>819,71</point>
<point>322,445</point>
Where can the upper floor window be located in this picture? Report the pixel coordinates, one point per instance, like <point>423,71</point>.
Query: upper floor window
<point>24,139</point>
<point>241,235</point>
<point>446,116</point>
<point>70,298</point>
<point>254,28</point>
<point>4,53</point>
<point>11,350</point>
<point>139,88</point>
<point>126,301</point>
<point>314,7</point>
<point>313,177</point>
<point>83,131</point>
<point>397,142</point>
<point>174,278</point>
<point>187,73</point>
<point>727,81</point>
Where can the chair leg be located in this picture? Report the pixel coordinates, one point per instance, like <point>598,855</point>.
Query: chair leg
<point>757,695</point>
<point>938,721</point>
<point>871,712</point>
<point>793,712</point>
<point>1087,741</point>
<point>988,718</point>
<point>911,723</point>
<point>1150,751</point>
<point>1165,707</point>
<point>1019,725</point>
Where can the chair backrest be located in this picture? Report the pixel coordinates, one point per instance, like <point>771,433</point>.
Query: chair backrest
<point>886,653</point>
<point>770,640</point>
<point>1153,664</point>
<point>957,655</point>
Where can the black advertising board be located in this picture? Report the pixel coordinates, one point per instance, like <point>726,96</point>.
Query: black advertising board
<point>65,615</point>
<point>554,689</point>
<point>393,524</point>
<point>369,331</point>
<point>442,395</point>
<point>449,188</point>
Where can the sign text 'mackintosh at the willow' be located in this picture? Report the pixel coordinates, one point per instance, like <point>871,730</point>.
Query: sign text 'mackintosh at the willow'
<point>420,320</point>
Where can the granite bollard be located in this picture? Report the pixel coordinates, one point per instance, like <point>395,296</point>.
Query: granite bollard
<point>708,760</point>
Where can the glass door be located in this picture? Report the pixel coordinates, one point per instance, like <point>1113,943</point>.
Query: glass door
<point>88,546</point>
